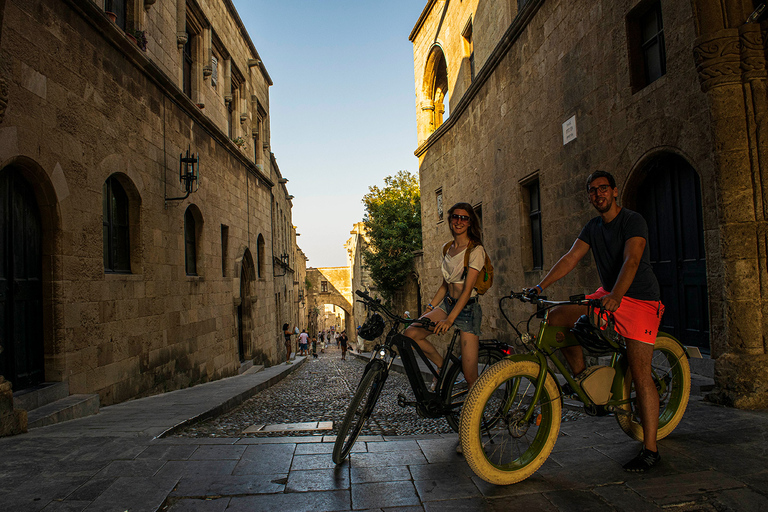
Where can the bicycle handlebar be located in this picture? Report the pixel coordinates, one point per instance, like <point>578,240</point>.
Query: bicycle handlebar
<point>376,305</point>
<point>580,300</point>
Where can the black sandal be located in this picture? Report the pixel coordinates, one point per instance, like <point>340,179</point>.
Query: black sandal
<point>644,461</point>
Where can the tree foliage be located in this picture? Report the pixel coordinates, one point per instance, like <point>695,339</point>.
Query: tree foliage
<point>393,222</point>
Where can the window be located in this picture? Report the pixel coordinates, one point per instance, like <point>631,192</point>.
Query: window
<point>469,49</point>
<point>115,227</point>
<point>190,243</point>
<point>260,256</point>
<point>214,71</point>
<point>436,90</point>
<point>187,66</point>
<point>224,249</point>
<point>534,215</point>
<point>647,52</point>
<point>324,286</point>
<point>439,200</point>
<point>118,7</point>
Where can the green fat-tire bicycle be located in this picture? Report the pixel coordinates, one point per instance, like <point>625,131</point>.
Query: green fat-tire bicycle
<point>523,397</point>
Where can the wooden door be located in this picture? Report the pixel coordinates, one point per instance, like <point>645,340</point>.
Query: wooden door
<point>21,331</point>
<point>670,201</point>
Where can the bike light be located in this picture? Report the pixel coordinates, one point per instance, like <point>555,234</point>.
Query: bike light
<point>382,353</point>
<point>507,350</point>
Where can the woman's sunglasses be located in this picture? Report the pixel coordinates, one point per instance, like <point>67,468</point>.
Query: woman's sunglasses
<point>463,218</point>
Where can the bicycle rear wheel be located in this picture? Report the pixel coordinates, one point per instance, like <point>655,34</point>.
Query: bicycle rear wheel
<point>508,450</point>
<point>672,375</point>
<point>455,386</point>
<point>360,410</point>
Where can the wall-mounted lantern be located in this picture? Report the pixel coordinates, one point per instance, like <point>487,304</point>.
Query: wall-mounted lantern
<point>283,262</point>
<point>189,174</point>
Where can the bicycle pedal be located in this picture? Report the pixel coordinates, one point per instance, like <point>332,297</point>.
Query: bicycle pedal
<point>402,402</point>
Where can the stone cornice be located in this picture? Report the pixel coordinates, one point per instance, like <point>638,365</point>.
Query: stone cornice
<point>422,19</point>
<point>112,35</point>
<point>247,38</point>
<point>505,44</point>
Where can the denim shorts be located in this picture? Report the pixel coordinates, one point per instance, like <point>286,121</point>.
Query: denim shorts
<point>469,319</point>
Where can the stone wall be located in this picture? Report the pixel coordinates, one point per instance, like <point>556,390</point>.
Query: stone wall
<point>86,104</point>
<point>560,59</point>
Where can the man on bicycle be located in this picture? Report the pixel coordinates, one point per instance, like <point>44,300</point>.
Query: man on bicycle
<point>618,238</point>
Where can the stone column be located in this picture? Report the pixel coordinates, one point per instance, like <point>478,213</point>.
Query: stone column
<point>730,60</point>
<point>181,23</point>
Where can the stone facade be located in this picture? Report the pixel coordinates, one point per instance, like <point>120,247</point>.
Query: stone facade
<point>558,90</point>
<point>211,276</point>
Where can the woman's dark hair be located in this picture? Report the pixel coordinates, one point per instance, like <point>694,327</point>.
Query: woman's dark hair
<point>474,232</point>
<point>601,174</point>
<point>285,327</point>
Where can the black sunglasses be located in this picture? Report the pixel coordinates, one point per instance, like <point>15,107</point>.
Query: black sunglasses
<point>455,216</point>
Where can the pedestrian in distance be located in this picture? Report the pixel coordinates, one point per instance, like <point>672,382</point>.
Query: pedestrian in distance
<point>303,340</point>
<point>314,346</point>
<point>343,345</point>
<point>618,239</point>
<point>287,334</point>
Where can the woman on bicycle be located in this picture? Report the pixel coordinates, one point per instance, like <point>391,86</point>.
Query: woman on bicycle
<point>456,301</point>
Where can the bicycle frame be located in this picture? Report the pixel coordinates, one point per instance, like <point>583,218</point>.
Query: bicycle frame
<point>551,338</point>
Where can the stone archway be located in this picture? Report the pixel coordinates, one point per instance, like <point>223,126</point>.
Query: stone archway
<point>330,285</point>
<point>435,88</point>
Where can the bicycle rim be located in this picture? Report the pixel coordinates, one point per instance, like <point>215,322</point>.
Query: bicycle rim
<point>506,450</point>
<point>455,386</point>
<point>359,411</point>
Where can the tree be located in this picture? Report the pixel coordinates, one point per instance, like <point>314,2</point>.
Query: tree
<point>393,221</point>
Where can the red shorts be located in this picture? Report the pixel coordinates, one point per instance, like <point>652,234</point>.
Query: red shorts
<point>635,319</point>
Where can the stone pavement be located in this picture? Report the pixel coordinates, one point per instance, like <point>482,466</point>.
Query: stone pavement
<point>716,460</point>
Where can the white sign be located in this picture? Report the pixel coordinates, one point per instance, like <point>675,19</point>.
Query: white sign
<point>569,130</point>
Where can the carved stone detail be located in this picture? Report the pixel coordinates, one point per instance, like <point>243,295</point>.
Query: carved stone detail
<point>718,58</point>
<point>752,52</point>
<point>181,39</point>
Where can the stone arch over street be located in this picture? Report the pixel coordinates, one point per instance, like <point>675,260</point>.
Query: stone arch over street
<point>330,285</point>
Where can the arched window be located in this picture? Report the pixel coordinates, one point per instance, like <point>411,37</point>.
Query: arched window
<point>190,243</point>
<point>115,227</point>
<point>260,257</point>
<point>436,88</point>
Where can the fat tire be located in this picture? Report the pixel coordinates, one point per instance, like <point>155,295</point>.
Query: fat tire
<point>359,410</point>
<point>668,359</point>
<point>509,382</point>
<point>452,395</point>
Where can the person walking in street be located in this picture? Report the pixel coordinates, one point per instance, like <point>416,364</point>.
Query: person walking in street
<point>314,346</point>
<point>287,334</point>
<point>618,239</point>
<point>303,340</point>
<point>343,345</point>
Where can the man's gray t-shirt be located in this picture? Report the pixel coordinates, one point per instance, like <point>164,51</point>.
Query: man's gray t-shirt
<point>607,244</point>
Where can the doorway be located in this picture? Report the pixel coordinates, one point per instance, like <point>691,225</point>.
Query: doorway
<point>669,198</point>
<point>21,291</point>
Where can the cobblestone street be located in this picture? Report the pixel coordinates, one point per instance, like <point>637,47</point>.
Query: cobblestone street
<point>320,391</point>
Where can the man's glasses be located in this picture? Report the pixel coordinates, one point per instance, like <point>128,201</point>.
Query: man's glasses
<point>463,218</point>
<point>600,188</point>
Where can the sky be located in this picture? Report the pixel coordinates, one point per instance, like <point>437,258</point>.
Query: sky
<point>342,107</point>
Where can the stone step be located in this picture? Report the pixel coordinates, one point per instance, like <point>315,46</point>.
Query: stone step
<point>40,395</point>
<point>65,409</point>
<point>253,369</point>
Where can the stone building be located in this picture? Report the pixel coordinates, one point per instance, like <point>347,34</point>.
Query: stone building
<point>328,285</point>
<point>517,101</point>
<point>124,269</point>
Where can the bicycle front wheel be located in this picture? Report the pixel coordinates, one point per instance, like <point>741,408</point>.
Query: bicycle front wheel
<point>672,375</point>
<point>360,410</point>
<point>499,446</point>
<point>455,386</point>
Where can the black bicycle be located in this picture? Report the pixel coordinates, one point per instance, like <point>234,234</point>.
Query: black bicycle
<point>449,392</point>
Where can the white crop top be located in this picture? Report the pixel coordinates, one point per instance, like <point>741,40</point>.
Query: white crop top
<point>453,266</point>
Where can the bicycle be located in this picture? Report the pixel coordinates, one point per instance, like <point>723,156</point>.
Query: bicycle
<point>450,390</point>
<point>524,398</point>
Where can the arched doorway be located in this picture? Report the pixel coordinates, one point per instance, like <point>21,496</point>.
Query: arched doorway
<point>21,291</point>
<point>243,316</point>
<point>669,198</point>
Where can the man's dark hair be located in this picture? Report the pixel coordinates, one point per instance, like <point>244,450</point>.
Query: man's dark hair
<point>601,174</point>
